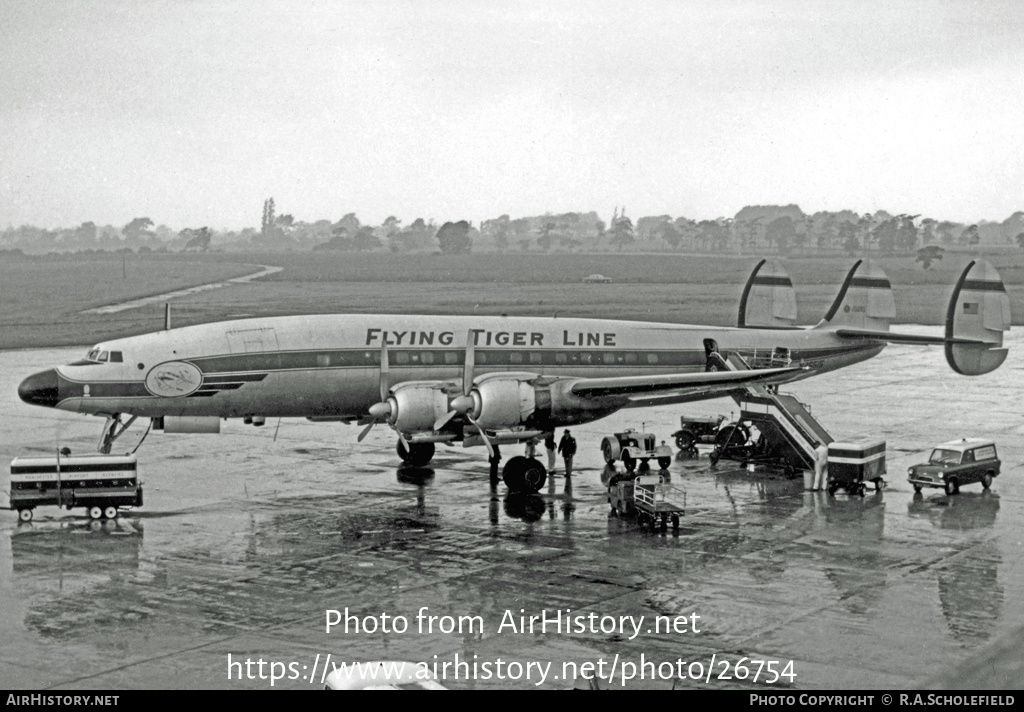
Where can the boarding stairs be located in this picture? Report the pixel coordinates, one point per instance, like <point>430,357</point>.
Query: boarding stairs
<point>791,434</point>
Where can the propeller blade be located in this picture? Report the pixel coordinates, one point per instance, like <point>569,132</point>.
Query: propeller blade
<point>365,431</point>
<point>385,371</point>
<point>483,436</point>
<point>445,419</point>
<point>467,371</point>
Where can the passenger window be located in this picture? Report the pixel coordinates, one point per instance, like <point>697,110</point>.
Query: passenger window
<point>631,358</point>
<point>536,357</point>
<point>586,358</point>
<point>652,358</point>
<point>481,358</point>
<point>609,357</point>
<point>515,357</point>
<point>451,357</point>
<point>323,360</point>
<point>116,357</point>
<point>561,357</point>
<point>402,357</point>
<point>427,357</point>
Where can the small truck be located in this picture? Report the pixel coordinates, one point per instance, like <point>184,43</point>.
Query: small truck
<point>632,446</point>
<point>649,497</point>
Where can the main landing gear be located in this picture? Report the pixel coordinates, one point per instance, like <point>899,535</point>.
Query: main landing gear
<point>524,474</point>
<point>415,454</point>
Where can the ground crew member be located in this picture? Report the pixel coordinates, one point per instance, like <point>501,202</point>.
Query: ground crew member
<point>820,467</point>
<point>567,448</point>
<point>531,448</point>
<point>549,445</point>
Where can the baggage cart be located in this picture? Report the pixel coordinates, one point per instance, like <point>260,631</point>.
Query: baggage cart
<point>852,463</point>
<point>650,498</point>
<point>100,483</point>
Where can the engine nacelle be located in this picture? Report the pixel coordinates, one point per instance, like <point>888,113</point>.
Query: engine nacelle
<point>416,405</point>
<point>510,400</point>
<point>503,400</point>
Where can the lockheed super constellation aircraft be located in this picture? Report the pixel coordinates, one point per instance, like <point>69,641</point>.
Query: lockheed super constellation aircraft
<point>490,380</point>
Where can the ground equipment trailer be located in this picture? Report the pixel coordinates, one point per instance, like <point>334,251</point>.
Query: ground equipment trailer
<point>650,498</point>
<point>100,483</point>
<point>632,447</point>
<point>851,463</point>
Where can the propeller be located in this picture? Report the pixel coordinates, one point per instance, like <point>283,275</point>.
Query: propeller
<point>381,410</point>
<point>464,403</point>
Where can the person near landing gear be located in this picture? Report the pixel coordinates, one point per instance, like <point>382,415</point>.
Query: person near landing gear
<point>550,446</point>
<point>531,448</point>
<point>567,449</point>
<point>820,468</point>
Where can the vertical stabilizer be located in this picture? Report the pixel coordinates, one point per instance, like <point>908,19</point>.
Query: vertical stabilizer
<point>768,298</point>
<point>864,301</point>
<point>979,310</point>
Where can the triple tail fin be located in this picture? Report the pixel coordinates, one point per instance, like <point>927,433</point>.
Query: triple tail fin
<point>768,298</point>
<point>979,312</point>
<point>864,301</point>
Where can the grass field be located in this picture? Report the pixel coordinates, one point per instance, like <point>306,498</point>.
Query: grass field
<point>42,300</point>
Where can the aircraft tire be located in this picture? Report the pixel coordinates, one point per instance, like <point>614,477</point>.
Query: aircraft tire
<point>512,474</point>
<point>534,476</point>
<point>418,454</point>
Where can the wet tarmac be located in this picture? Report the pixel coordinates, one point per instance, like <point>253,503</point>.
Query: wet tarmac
<point>247,538</point>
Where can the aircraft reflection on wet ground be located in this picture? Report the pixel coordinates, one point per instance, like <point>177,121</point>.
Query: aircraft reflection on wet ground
<point>247,538</point>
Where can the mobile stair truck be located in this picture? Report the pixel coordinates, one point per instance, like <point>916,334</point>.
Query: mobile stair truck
<point>100,483</point>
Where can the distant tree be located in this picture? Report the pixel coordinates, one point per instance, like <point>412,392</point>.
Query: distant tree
<point>545,240</point>
<point>780,232</point>
<point>848,238</point>
<point>1020,240</point>
<point>454,238</point>
<point>671,235</point>
<point>906,232</point>
<point>198,240</point>
<point>970,236</point>
<point>137,230</point>
<point>365,239</point>
<point>928,254</point>
<point>267,223</point>
<point>621,231</point>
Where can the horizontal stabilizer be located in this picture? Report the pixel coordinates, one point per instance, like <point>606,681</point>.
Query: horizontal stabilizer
<point>979,311</point>
<point>768,298</point>
<point>703,382</point>
<point>864,301</point>
<point>895,338</point>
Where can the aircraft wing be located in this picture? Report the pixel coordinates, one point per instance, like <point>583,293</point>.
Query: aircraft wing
<point>901,338</point>
<point>702,382</point>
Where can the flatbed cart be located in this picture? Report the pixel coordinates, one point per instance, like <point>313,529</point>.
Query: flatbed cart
<point>650,498</point>
<point>100,483</point>
<point>852,463</point>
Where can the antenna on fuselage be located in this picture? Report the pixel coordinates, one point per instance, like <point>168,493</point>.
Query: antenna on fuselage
<point>167,316</point>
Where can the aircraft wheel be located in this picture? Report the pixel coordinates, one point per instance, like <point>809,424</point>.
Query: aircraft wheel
<point>986,480</point>
<point>110,513</point>
<point>952,486</point>
<point>25,515</point>
<point>534,475</point>
<point>417,455</point>
<point>628,461</point>
<point>95,512</point>
<point>664,462</point>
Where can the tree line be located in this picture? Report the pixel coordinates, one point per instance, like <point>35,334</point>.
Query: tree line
<point>772,229</point>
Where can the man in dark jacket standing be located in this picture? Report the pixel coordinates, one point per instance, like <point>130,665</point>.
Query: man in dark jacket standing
<point>567,449</point>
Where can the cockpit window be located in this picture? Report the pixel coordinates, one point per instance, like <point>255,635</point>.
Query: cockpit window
<point>103,357</point>
<point>93,355</point>
<point>97,355</point>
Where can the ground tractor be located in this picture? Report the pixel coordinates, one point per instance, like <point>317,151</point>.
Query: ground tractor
<point>649,497</point>
<point>699,431</point>
<point>632,447</point>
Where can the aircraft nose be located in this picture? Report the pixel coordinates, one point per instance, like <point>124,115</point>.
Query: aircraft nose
<point>40,389</point>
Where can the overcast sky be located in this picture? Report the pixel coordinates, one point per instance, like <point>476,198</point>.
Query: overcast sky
<point>193,113</point>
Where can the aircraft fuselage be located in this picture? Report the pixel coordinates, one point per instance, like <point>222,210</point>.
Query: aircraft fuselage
<point>329,365</point>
